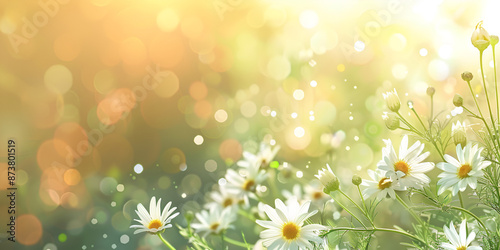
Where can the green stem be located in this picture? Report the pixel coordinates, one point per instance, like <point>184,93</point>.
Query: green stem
<point>420,120</point>
<point>222,240</point>
<point>496,86</point>
<point>473,215</point>
<point>237,243</point>
<point>347,210</point>
<point>478,109</point>
<point>409,125</point>
<point>165,242</point>
<point>486,92</point>
<point>432,111</point>
<point>409,210</point>
<point>349,198</point>
<point>461,199</point>
<point>364,206</point>
<point>375,229</point>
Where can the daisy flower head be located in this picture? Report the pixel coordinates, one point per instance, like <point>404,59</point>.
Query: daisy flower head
<point>262,159</point>
<point>458,173</point>
<point>224,198</point>
<point>154,221</point>
<point>286,229</point>
<point>328,179</point>
<point>459,241</point>
<point>380,185</point>
<point>245,186</point>
<point>315,194</point>
<point>214,221</point>
<point>407,169</point>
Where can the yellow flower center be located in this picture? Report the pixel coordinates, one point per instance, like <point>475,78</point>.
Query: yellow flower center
<point>264,164</point>
<point>317,195</point>
<point>402,166</point>
<point>248,185</point>
<point>464,170</point>
<point>461,248</point>
<point>227,202</point>
<point>384,183</point>
<point>290,231</point>
<point>154,224</point>
<point>214,226</point>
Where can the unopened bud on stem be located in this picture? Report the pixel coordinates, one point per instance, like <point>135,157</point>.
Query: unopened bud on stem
<point>458,101</point>
<point>467,76</point>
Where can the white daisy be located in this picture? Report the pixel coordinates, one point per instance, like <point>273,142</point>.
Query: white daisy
<point>262,159</point>
<point>214,221</point>
<point>244,186</point>
<point>379,185</point>
<point>408,163</point>
<point>154,222</point>
<point>286,229</point>
<point>223,198</point>
<point>462,172</point>
<point>459,241</point>
<point>314,192</point>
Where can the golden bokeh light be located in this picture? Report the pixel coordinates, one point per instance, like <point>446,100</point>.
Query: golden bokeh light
<point>29,229</point>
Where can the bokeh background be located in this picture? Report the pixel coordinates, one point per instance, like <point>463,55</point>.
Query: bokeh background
<point>111,102</point>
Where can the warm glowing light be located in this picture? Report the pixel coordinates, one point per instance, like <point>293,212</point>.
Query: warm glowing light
<point>138,168</point>
<point>308,19</point>
<point>220,115</point>
<point>298,94</point>
<point>167,20</point>
<point>299,132</point>
<point>198,140</point>
<point>359,46</point>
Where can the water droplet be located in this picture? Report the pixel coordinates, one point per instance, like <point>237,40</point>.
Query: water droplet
<point>105,236</point>
<point>93,221</point>
<point>113,204</point>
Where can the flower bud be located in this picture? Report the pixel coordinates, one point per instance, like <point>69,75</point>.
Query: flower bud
<point>392,100</point>
<point>430,91</point>
<point>458,101</point>
<point>328,179</point>
<point>458,134</point>
<point>493,40</point>
<point>356,180</point>
<point>467,76</point>
<point>480,37</point>
<point>391,120</point>
<point>189,215</point>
